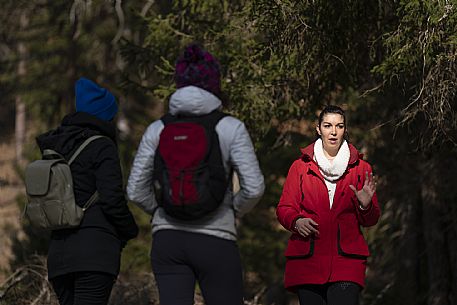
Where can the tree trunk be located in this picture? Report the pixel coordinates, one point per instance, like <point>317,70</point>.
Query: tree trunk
<point>409,270</point>
<point>20,129</point>
<point>449,195</point>
<point>20,105</point>
<point>434,210</point>
<point>452,242</point>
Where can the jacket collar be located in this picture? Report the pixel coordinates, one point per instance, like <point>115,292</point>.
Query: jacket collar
<point>308,154</point>
<point>74,129</point>
<point>191,100</point>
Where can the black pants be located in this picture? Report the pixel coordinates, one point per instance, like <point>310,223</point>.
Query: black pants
<point>179,259</point>
<point>83,288</point>
<point>338,293</point>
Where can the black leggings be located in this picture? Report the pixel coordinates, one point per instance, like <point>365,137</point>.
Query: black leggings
<point>338,293</point>
<point>83,288</point>
<point>179,259</point>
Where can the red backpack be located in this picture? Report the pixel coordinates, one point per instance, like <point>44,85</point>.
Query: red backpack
<point>189,176</point>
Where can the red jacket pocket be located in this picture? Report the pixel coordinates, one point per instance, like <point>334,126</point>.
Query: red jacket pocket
<point>299,247</point>
<point>351,242</point>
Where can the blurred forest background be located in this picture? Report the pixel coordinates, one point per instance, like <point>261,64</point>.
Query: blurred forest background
<point>391,64</point>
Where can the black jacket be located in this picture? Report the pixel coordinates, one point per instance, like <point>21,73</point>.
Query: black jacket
<point>108,224</point>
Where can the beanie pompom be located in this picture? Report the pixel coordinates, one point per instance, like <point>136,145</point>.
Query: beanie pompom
<point>193,53</point>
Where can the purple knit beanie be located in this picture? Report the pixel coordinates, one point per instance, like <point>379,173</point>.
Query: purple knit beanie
<point>197,67</point>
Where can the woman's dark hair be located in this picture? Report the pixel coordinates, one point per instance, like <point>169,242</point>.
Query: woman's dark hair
<point>333,109</point>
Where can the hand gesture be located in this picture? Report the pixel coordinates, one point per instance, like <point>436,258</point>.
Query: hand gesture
<point>306,226</point>
<point>365,194</point>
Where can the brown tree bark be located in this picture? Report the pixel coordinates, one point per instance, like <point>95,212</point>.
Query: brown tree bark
<point>409,271</point>
<point>449,195</point>
<point>20,105</point>
<point>435,237</point>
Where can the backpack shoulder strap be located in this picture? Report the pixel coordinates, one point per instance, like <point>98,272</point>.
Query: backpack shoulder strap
<point>95,196</point>
<point>91,200</point>
<point>82,146</point>
<point>216,116</point>
<point>51,154</point>
<point>211,119</point>
<point>168,118</point>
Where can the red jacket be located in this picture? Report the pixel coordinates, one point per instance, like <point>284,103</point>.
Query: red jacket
<point>340,251</point>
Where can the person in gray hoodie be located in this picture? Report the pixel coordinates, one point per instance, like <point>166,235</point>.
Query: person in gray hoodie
<point>205,249</point>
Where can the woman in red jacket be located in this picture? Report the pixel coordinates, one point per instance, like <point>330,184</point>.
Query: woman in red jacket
<point>328,194</point>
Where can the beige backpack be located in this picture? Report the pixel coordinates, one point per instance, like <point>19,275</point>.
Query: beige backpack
<point>49,185</point>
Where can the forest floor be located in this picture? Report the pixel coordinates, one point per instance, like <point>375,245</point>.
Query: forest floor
<point>10,215</point>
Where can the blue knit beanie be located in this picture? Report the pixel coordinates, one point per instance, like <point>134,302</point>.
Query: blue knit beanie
<point>94,100</point>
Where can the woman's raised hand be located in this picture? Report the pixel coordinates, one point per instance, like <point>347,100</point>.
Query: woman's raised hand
<point>365,194</point>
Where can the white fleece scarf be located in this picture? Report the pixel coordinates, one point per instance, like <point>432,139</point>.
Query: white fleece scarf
<point>331,171</point>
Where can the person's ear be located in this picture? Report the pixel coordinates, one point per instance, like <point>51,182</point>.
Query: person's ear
<point>318,130</point>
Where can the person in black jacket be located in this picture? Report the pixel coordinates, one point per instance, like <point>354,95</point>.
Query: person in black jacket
<point>83,262</point>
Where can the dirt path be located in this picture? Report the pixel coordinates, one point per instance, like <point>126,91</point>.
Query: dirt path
<point>10,226</point>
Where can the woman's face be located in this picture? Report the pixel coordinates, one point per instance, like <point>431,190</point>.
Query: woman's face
<point>332,130</point>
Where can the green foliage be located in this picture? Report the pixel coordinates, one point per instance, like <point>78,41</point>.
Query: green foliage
<point>321,44</point>
<point>57,51</point>
<point>420,59</point>
<point>422,33</point>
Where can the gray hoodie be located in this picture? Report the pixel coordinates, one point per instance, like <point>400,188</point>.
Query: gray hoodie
<point>237,153</point>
